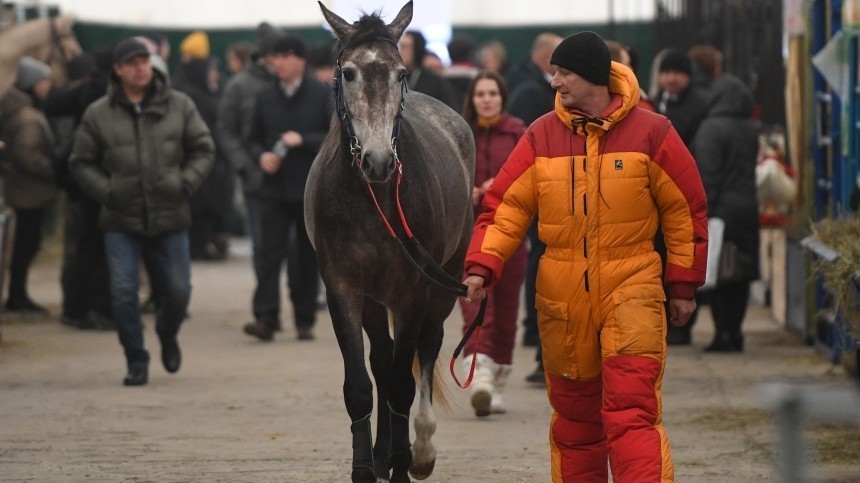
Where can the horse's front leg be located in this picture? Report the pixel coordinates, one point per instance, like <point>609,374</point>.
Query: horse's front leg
<point>401,392</point>
<point>346,310</point>
<point>381,352</point>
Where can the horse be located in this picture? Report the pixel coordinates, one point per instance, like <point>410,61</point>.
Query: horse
<point>389,155</point>
<point>50,40</point>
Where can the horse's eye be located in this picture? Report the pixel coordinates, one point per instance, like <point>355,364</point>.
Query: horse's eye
<point>348,75</point>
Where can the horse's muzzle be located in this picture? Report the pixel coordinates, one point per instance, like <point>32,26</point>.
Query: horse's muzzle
<point>377,169</point>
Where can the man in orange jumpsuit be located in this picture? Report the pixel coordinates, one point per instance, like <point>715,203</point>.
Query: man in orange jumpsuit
<point>603,174</point>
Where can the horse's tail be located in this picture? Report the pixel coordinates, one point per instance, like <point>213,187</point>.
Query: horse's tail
<point>441,393</point>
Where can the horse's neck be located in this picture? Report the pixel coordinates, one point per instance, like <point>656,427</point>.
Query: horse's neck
<point>23,38</point>
<point>16,41</point>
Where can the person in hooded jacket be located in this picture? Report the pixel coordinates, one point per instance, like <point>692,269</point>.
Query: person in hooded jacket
<point>142,151</point>
<point>603,174</point>
<point>210,206</point>
<point>234,130</point>
<point>496,133</point>
<point>726,149</point>
<point>27,169</point>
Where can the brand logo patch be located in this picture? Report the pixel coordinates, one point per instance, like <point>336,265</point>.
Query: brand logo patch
<point>619,165</point>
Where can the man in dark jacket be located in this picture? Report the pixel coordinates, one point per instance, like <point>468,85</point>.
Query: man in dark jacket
<point>413,49</point>
<point>686,106</point>
<point>233,129</point>
<point>290,123</point>
<point>532,96</point>
<point>141,151</point>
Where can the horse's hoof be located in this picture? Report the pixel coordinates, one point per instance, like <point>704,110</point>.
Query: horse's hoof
<point>363,475</point>
<point>422,471</point>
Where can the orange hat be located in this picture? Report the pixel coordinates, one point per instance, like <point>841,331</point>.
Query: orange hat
<point>195,46</point>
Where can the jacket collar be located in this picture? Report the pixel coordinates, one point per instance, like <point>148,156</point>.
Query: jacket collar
<point>155,101</point>
<point>624,91</point>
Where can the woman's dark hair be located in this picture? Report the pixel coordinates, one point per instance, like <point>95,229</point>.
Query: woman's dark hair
<point>419,46</point>
<point>469,113</point>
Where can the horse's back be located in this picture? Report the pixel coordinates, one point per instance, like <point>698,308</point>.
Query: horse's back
<point>436,121</point>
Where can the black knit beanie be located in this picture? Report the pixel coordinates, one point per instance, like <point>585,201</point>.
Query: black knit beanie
<point>676,60</point>
<point>586,55</point>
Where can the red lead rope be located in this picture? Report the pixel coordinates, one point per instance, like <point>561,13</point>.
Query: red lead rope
<point>479,319</point>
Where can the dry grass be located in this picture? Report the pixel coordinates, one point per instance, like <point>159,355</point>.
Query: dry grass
<point>841,235</point>
<point>835,444</point>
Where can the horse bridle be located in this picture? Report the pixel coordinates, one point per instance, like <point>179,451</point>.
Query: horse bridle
<point>447,282</point>
<point>343,112</point>
<point>57,44</point>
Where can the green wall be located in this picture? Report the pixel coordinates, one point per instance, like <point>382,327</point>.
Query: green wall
<point>517,40</point>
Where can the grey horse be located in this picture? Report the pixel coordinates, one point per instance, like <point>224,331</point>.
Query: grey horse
<point>388,148</point>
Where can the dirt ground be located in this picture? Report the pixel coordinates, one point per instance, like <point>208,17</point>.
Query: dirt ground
<point>245,411</point>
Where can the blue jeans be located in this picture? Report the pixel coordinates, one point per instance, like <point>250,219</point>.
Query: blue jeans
<point>169,265</point>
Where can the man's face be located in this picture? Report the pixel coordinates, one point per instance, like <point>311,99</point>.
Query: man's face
<point>673,81</point>
<point>288,67</point>
<point>407,51</point>
<point>134,73</point>
<point>570,86</point>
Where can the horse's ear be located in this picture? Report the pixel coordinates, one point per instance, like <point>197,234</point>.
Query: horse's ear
<point>341,28</point>
<point>399,24</point>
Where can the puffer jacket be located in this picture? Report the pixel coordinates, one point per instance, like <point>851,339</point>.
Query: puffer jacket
<point>726,151</point>
<point>601,186</point>
<point>493,144</point>
<point>26,163</point>
<point>142,163</point>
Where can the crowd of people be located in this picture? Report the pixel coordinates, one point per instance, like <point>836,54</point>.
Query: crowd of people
<point>153,162</point>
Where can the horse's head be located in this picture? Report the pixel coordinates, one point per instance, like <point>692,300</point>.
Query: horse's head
<point>370,81</point>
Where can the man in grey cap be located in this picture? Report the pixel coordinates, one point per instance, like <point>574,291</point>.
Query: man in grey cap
<point>141,151</point>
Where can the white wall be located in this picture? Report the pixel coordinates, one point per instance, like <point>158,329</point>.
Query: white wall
<point>248,13</point>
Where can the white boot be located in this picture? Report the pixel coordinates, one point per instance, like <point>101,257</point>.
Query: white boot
<point>482,382</point>
<point>497,404</point>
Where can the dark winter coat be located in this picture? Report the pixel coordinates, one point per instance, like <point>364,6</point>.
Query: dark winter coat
<point>726,149</point>
<point>236,121</point>
<point>532,99</point>
<point>307,113</point>
<point>493,144</point>
<point>26,162</point>
<point>686,111</point>
<point>523,72</point>
<point>215,195</point>
<point>143,162</point>
<point>434,85</point>
<point>72,100</point>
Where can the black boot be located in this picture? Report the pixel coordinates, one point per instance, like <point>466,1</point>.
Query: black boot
<point>726,342</point>
<point>137,376</point>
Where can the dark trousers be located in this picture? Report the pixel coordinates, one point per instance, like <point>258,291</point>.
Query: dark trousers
<point>28,241</point>
<point>729,306</point>
<point>278,219</point>
<point>84,276</point>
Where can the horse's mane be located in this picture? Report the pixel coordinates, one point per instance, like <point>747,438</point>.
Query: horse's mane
<point>368,27</point>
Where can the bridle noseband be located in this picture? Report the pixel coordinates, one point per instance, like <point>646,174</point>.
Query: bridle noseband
<point>343,113</point>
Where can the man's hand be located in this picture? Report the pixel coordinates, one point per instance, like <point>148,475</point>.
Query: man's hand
<point>476,291</point>
<point>292,139</point>
<point>269,162</point>
<point>680,311</point>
